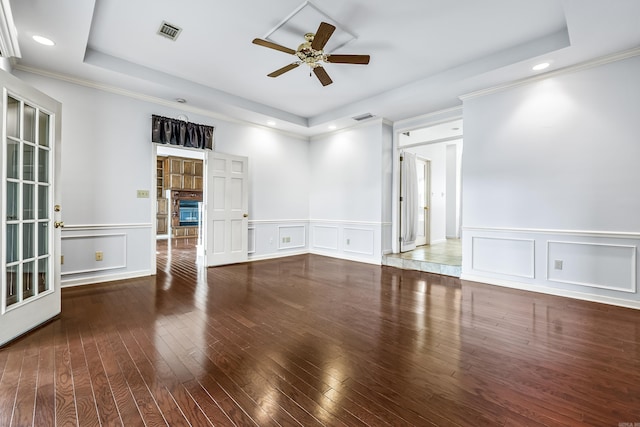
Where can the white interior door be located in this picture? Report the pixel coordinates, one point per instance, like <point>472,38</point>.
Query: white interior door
<point>30,238</point>
<point>423,168</point>
<point>227,209</point>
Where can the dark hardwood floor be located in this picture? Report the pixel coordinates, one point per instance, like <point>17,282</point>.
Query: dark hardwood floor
<point>309,340</point>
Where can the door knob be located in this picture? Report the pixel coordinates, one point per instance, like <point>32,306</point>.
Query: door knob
<point>58,224</point>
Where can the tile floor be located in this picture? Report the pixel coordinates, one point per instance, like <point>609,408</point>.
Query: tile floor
<point>441,258</point>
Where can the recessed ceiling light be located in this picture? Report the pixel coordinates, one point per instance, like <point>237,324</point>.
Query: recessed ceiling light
<point>332,127</point>
<point>271,123</point>
<point>43,40</point>
<point>541,66</point>
<point>455,128</point>
<point>181,100</point>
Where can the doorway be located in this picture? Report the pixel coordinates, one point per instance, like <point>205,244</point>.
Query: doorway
<point>441,145</point>
<point>423,169</point>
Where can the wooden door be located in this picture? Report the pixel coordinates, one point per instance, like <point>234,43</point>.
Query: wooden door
<point>30,238</point>
<point>226,210</point>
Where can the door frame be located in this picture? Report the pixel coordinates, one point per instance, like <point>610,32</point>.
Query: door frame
<point>427,201</point>
<point>400,127</point>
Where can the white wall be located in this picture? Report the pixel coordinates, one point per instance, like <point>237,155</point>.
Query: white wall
<point>107,156</point>
<point>346,192</point>
<point>550,173</point>
<point>454,157</point>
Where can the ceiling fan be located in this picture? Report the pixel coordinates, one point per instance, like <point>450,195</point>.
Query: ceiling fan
<point>311,53</point>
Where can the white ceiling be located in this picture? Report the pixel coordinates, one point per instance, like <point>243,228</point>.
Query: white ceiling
<point>424,53</point>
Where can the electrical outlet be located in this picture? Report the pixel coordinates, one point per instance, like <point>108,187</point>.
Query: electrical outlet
<point>557,264</point>
<point>99,255</point>
<point>143,194</point>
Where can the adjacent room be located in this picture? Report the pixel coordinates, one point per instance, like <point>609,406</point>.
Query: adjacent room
<point>325,212</point>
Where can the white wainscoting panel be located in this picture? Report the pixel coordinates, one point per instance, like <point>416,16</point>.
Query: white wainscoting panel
<point>292,236</point>
<point>84,248</point>
<point>326,237</point>
<point>353,240</point>
<point>507,256</point>
<point>359,240</point>
<point>595,265</point>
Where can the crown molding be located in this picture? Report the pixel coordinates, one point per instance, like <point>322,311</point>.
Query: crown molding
<point>151,99</point>
<point>592,63</point>
<point>8,34</point>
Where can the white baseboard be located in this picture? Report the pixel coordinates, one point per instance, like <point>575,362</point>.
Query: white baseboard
<point>276,255</point>
<point>104,278</point>
<point>346,257</point>
<point>552,291</point>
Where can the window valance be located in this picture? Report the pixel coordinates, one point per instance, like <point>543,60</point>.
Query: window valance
<point>178,132</point>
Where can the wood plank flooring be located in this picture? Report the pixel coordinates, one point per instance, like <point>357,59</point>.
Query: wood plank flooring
<point>313,341</point>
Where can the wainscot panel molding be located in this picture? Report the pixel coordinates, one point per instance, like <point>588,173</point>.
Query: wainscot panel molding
<point>84,247</point>
<point>277,238</point>
<point>120,245</point>
<point>597,266</point>
<point>353,240</point>
<point>506,256</point>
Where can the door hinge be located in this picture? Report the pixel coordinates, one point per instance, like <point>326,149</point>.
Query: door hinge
<point>401,158</point>
<point>401,199</point>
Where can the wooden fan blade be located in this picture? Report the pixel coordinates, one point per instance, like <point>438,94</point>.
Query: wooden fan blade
<point>275,46</point>
<point>283,70</point>
<point>322,36</point>
<point>322,75</point>
<point>348,59</point>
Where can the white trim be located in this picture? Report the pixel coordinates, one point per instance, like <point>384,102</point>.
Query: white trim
<point>105,278</point>
<point>86,227</point>
<point>91,236</point>
<point>533,256</point>
<point>276,221</point>
<point>329,227</point>
<point>154,100</point>
<point>275,255</point>
<point>552,291</point>
<point>603,60</point>
<point>631,290</point>
<point>440,116</point>
<point>373,241</point>
<point>346,222</point>
<point>8,34</point>
<point>347,258</point>
<point>304,237</point>
<point>583,233</point>
<point>253,240</point>
<point>357,125</point>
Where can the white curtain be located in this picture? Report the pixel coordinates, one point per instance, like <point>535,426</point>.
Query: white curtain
<point>409,205</point>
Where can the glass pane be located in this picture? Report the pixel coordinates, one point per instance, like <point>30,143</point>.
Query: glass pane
<point>12,201</point>
<point>13,117</point>
<point>27,201</point>
<point>43,129</point>
<point>43,202</point>
<point>13,159</point>
<point>29,123</point>
<point>12,285</point>
<point>43,275</point>
<point>28,239</point>
<point>28,161</point>
<point>12,243</point>
<point>43,165</point>
<point>28,280</point>
<point>43,238</point>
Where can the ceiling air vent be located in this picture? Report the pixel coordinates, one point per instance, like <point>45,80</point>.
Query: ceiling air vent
<point>362,117</point>
<point>169,31</point>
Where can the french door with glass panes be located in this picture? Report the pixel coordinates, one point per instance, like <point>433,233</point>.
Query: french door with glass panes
<point>30,246</point>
